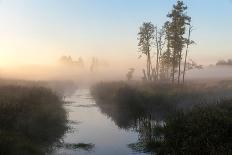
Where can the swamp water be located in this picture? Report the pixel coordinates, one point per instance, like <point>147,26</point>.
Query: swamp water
<point>92,132</point>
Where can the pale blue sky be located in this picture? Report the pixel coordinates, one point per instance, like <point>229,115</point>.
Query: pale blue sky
<point>39,31</point>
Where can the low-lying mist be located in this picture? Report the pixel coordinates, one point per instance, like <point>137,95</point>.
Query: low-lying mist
<point>97,70</point>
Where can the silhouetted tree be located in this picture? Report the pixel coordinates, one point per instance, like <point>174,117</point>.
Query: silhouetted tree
<point>159,43</point>
<point>192,65</point>
<point>66,60</point>
<point>165,58</point>
<point>165,63</point>
<point>176,28</point>
<point>80,62</point>
<point>94,64</point>
<point>70,62</point>
<point>146,37</point>
<point>144,78</point>
<point>130,73</point>
<point>188,42</point>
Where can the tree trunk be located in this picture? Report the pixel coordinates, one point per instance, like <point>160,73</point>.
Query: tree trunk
<point>186,53</point>
<point>173,65</point>
<point>144,75</point>
<point>173,71</point>
<point>157,56</point>
<point>185,61</point>
<point>179,67</point>
<point>149,67</point>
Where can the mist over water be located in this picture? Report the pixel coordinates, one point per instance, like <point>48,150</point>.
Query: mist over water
<point>115,77</point>
<point>110,72</point>
<point>211,72</point>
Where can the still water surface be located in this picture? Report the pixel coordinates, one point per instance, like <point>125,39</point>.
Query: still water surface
<point>90,126</point>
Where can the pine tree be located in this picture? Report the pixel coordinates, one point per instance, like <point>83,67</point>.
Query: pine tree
<point>177,28</point>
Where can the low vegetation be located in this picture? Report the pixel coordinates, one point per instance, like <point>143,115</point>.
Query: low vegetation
<point>190,119</point>
<point>32,119</point>
<point>203,130</point>
<point>168,96</point>
<point>62,88</point>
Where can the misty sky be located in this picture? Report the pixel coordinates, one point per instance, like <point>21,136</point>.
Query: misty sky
<point>40,31</point>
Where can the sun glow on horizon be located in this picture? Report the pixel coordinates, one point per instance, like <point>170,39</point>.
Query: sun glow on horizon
<point>33,32</point>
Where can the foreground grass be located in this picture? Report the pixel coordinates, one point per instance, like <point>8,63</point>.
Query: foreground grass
<point>31,120</point>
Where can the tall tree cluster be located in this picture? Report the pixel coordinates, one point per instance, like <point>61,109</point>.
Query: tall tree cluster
<point>169,43</point>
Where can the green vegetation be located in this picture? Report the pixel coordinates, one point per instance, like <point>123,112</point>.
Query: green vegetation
<point>145,94</point>
<point>32,119</point>
<point>195,119</point>
<point>133,100</point>
<point>204,130</point>
<point>145,37</point>
<point>169,115</point>
<point>170,41</point>
<point>201,130</point>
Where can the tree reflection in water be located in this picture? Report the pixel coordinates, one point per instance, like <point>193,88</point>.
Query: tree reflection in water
<point>200,130</point>
<point>149,134</point>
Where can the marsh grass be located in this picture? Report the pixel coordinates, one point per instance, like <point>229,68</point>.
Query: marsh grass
<point>202,130</point>
<point>191,119</point>
<point>156,96</point>
<point>32,119</point>
<point>125,102</point>
<point>61,87</point>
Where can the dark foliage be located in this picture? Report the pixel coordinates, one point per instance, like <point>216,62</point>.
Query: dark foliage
<point>171,119</point>
<point>203,130</point>
<point>31,120</point>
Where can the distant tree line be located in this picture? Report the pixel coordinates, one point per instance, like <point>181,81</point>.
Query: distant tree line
<point>224,62</point>
<point>95,63</point>
<point>170,41</point>
<point>130,73</point>
<point>68,60</point>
